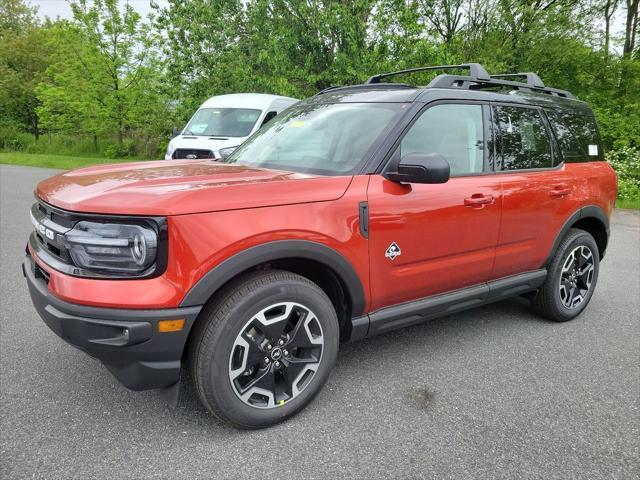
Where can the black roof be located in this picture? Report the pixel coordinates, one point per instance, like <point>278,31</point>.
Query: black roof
<point>477,85</point>
<point>391,93</point>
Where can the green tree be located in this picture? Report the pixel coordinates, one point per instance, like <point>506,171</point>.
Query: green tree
<point>202,43</point>
<point>24,56</point>
<point>104,79</point>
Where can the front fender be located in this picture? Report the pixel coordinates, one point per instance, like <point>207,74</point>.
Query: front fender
<point>278,250</point>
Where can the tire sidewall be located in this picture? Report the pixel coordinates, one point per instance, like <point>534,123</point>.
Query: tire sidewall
<point>216,354</point>
<point>562,312</point>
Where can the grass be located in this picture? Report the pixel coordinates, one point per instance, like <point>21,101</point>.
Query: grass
<point>628,203</point>
<point>63,162</point>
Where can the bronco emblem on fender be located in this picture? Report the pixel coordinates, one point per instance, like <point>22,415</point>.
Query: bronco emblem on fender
<point>393,251</point>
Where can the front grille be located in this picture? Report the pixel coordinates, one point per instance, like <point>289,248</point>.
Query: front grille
<point>50,225</point>
<point>182,153</point>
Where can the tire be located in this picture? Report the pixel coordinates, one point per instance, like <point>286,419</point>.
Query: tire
<point>571,278</point>
<point>238,374</point>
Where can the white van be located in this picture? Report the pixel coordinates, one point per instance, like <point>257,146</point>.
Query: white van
<point>222,123</point>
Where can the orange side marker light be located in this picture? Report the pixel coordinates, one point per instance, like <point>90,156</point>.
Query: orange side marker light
<point>170,325</point>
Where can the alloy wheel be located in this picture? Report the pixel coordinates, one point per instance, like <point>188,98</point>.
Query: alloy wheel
<point>576,276</point>
<point>275,355</point>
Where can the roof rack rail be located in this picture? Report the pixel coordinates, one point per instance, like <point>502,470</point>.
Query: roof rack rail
<point>462,82</point>
<point>377,85</point>
<point>475,70</point>
<point>533,80</point>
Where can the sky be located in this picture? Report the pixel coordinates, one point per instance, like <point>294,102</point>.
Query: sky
<point>61,8</point>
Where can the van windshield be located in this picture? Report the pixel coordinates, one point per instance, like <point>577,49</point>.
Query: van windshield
<point>323,139</point>
<point>222,122</point>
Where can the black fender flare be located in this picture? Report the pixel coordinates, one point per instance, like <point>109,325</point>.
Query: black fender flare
<point>590,211</point>
<point>278,250</point>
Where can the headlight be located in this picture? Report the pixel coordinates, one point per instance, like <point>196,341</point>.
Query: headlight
<point>225,152</point>
<point>111,247</point>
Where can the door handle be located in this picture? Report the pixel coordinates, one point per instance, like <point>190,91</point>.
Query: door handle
<point>479,200</point>
<point>560,190</point>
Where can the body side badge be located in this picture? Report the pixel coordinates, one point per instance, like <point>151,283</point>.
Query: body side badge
<point>393,251</point>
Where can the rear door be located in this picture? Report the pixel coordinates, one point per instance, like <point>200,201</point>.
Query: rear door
<point>429,239</point>
<point>539,193</point>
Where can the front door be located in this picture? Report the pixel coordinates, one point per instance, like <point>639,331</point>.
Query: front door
<point>429,239</point>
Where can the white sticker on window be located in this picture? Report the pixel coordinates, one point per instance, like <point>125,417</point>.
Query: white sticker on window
<point>593,150</point>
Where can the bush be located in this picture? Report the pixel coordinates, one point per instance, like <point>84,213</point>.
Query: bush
<point>626,162</point>
<point>118,150</point>
<point>12,138</point>
<point>83,144</point>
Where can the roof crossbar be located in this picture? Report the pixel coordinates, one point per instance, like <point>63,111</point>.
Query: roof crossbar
<point>475,70</point>
<point>533,80</point>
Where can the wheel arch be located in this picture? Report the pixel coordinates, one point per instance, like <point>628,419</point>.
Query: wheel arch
<point>592,219</point>
<point>315,261</point>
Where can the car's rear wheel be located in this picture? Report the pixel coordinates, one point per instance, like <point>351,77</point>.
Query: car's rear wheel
<point>571,278</point>
<point>264,348</point>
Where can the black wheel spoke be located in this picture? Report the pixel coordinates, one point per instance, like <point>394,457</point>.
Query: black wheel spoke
<point>584,273</point>
<point>264,380</point>
<point>255,355</point>
<point>582,260</point>
<point>571,294</point>
<point>274,330</point>
<point>299,336</point>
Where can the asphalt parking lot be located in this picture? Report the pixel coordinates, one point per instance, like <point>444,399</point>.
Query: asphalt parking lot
<point>495,392</point>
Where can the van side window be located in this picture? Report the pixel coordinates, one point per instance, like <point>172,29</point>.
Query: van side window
<point>454,131</point>
<point>577,136</point>
<point>268,117</point>
<point>523,140</point>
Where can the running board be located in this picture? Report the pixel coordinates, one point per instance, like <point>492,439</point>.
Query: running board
<point>410,313</point>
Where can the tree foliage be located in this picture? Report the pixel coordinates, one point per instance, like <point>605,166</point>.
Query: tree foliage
<point>23,59</point>
<point>105,75</point>
<point>111,74</point>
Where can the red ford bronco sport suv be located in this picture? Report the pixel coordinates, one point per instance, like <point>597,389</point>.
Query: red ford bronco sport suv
<point>358,211</point>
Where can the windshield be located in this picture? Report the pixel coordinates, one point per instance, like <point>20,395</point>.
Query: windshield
<point>324,139</point>
<point>223,122</point>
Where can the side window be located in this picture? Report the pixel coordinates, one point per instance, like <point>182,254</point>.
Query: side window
<point>577,136</point>
<point>523,141</point>
<point>268,117</point>
<point>454,131</point>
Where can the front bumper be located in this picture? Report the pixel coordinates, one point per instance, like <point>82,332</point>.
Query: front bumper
<point>141,359</point>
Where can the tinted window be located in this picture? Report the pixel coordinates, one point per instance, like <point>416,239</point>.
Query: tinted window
<point>327,139</point>
<point>577,136</point>
<point>454,131</point>
<point>522,138</point>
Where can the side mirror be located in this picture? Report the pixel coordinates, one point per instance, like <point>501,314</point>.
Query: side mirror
<point>421,168</point>
<point>175,132</point>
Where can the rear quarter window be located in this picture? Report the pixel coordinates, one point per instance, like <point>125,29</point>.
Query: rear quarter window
<point>577,136</point>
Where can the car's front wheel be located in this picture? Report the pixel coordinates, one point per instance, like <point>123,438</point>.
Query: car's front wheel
<point>571,278</point>
<point>264,348</point>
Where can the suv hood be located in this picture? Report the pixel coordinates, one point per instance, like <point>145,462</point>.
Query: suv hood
<point>180,187</point>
